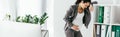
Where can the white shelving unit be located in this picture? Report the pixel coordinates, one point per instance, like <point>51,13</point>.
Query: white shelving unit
<point>106,4</point>
<point>114,15</point>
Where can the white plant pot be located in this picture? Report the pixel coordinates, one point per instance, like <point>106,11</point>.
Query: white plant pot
<point>43,27</point>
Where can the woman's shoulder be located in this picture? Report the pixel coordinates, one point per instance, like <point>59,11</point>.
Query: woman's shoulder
<point>73,6</point>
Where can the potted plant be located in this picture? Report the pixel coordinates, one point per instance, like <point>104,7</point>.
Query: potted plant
<point>33,20</point>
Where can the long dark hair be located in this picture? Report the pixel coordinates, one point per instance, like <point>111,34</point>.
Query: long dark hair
<point>78,1</point>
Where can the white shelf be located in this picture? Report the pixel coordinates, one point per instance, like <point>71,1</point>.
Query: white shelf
<point>116,24</point>
<point>106,24</point>
<point>106,5</point>
<point>102,23</point>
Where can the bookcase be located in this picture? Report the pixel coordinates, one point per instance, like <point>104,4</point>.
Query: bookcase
<point>106,20</point>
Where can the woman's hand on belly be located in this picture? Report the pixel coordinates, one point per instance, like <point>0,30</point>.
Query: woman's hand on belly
<point>75,27</point>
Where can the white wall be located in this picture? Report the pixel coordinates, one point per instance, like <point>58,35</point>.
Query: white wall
<point>13,9</point>
<point>19,8</point>
<point>50,23</point>
<point>104,1</point>
<point>4,8</point>
<point>7,7</point>
<point>32,7</point>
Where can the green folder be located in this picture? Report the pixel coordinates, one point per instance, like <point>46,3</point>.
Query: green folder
<point>100,14</point>
<point>116,29</point>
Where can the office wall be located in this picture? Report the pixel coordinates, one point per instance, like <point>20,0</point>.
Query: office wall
<point>32,7</point>
<point>20,8</point>
<point>50,11</point>
<point>105,1</point>
<point>7,7</point>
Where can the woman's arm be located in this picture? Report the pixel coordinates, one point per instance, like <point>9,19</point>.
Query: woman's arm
<point>91,8</point>
<point>68,17</point>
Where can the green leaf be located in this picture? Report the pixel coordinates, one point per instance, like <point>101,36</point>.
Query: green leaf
<point>43,18</point>
<point>17,19</point>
